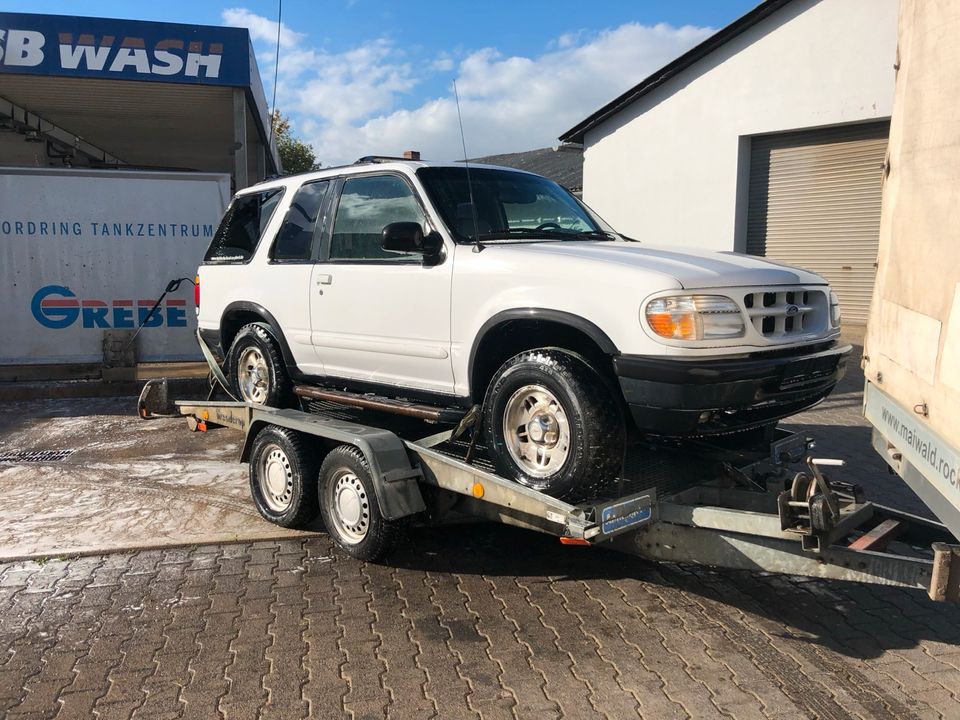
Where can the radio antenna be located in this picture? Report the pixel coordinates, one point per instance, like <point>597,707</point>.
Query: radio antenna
<point>276,74</point>
<point>478,246</point>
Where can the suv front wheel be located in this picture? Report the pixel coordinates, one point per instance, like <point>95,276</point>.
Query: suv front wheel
<point>256,368</point>
<point>552,424</point>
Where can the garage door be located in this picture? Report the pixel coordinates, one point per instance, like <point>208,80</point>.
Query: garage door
<point>814,202</point>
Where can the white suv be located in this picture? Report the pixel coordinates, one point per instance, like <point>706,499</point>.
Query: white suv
<point>443,287</point>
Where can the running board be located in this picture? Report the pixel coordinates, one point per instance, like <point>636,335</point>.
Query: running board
<point>448,416</point>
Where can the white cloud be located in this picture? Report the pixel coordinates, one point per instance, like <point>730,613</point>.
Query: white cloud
<point>443,63</point>
<point>569,39</point>
<point>261,28</point>
<point>352,86</point>
<point>357,102</point>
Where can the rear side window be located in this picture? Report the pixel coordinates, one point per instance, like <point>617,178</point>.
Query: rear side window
<point>242,227</point>
<point>295,239</point>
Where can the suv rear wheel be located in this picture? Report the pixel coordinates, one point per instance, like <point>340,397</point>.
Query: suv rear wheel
<point>256,368</point>
<point>552,424</point>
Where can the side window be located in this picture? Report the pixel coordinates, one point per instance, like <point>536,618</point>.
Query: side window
<point>242,227</point>
<point>295,239</point>
<point>367,205</point>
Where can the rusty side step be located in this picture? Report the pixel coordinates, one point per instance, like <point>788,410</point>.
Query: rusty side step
<point>432,413</point>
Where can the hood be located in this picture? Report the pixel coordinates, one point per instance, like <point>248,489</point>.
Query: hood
<point>691,268</point>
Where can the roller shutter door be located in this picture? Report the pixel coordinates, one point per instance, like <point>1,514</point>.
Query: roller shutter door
<point>814,202</point>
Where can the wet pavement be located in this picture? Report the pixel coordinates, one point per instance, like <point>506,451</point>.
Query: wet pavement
<point>473,621</point>
<point>126,483</point>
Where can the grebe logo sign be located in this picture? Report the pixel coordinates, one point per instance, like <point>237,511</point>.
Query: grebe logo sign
<point>57,307</point>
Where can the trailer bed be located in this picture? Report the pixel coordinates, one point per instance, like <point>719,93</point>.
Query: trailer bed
<point>767,507</point>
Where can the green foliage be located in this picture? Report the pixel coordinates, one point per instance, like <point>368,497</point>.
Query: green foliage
<point>296,156</point>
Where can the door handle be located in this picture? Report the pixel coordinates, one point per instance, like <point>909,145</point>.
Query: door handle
<point>324,279</point>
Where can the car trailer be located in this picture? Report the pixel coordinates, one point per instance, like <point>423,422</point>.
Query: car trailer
<point>769,507</point>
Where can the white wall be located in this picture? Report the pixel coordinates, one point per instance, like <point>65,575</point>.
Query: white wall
<point>86,251</point>
<point>665,169</point>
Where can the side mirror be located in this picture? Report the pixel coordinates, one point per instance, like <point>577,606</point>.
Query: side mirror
<point>408,237</point>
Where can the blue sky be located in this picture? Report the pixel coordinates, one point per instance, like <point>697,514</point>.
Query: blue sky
<point>375,76</point>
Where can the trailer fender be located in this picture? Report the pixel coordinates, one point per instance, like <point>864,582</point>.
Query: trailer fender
<point>396,479</point>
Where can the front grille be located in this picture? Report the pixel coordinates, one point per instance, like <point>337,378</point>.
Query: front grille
<point>786,312</point>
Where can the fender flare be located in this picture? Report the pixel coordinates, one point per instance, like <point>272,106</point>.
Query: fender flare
<point>394,476</point>
<point>576,322</point>
<point>273,328</point>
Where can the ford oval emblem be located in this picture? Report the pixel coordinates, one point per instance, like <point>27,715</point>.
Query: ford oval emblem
<point>791,310</point>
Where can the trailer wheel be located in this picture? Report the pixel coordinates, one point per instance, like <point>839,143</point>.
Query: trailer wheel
<point>349,506</point>
<point>283,474</point>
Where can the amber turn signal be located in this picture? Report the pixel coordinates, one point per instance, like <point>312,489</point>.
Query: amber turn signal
<point>695,317</point>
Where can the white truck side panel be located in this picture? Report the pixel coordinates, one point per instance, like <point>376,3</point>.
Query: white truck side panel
<point>83,251</point>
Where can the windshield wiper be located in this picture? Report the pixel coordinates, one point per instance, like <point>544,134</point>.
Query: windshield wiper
<point>595,235</point>
<point>507,233</point>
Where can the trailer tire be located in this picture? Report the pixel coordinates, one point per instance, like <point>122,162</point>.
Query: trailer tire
<point>349,506</point>
<point>283,472</point>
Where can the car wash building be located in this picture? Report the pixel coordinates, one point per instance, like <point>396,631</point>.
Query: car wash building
<point>121,143</point>
<point>767,138</point>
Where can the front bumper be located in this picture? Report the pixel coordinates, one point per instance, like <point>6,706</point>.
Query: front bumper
<point>675,397</point>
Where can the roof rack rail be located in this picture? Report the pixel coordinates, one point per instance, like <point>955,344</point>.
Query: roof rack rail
<point>380,159</point>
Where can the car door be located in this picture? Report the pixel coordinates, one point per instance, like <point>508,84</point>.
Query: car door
<point>289,270</point>
<point>377,316</point>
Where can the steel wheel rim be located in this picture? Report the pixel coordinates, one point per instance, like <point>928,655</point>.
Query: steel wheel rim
<point>536,431</point>
<point>253,376</point>
<point>275,478</point>
<point>349,506</point>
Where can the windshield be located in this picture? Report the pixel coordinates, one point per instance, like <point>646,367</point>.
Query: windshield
<point>509,206</point>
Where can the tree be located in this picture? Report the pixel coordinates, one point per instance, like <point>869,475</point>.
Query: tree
<point>296,156</point>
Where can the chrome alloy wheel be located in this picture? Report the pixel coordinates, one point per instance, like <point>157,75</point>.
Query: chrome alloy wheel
<point>253,376</point>
<point>276,478</point>
<point>349,506</point>
<point>536,431</point>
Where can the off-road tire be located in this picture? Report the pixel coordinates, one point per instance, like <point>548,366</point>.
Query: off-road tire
<point>300,461</point>
<point>258,335</point>
<point>378,535</point>
<point>596,422</point>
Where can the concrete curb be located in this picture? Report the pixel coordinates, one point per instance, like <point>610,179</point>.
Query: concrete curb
<point>56,389</point>
<point>213,539</point>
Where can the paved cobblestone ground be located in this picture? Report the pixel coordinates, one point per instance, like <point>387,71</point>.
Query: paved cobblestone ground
<point>455,627</point>
<point>467,622</point>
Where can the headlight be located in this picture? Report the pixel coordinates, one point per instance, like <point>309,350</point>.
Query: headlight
<point>834,309</point>
<point>695,317</point>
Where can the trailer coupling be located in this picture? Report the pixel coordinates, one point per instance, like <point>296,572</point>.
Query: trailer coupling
<point>769,517</point>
